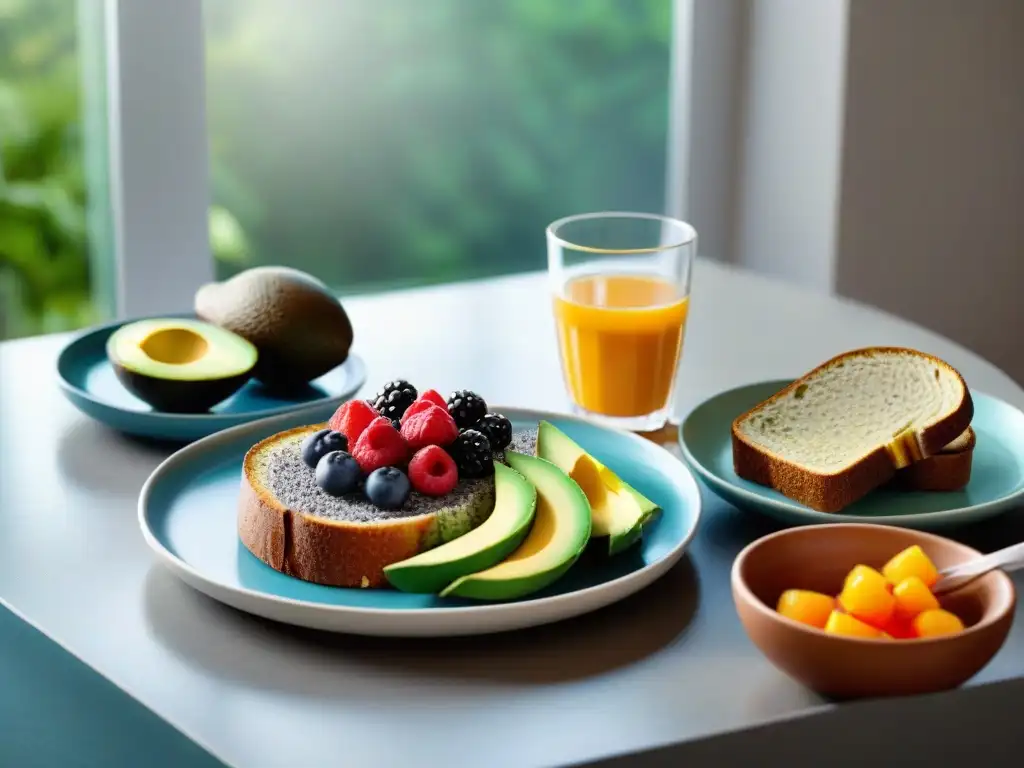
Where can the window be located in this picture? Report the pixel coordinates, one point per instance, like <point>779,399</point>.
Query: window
<point>55,259</point>
<point>381,143</point>
<point>373,143</point>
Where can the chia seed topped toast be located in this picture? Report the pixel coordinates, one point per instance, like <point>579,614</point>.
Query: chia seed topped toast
<point>291,524</point>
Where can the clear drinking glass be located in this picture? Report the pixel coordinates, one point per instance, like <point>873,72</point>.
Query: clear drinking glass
<point>621,291</point>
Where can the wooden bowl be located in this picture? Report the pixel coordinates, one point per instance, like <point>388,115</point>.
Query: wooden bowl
<point>818,558</point>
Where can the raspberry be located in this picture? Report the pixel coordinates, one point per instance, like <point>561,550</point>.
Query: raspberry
<point>435,397</point>
<point>432,471</point>
<point>379,445</point>
<point>418,407</point>
<point>352,418</point>
<point>432,426</point>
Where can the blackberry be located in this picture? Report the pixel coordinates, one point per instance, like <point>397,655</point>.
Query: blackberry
<point>472,453</point>
<point>497,429</point>
<point>397,424</point>
<point>467,408</point>
<point>394,398</point>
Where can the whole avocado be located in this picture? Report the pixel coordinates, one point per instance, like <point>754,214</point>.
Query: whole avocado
<point>299,327</point>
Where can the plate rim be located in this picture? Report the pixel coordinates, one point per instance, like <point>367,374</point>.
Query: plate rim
<point>793,509</point>
<point>358,374</point>
<point>682,478</point>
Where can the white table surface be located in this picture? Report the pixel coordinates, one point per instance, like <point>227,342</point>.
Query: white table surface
<point>669,664</point>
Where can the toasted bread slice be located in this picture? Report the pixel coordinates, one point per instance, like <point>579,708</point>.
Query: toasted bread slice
<point>289,523</point>
<point>948,470</point>
<point>847,426</point>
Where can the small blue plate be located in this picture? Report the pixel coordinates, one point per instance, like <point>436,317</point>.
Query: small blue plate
<point>88,381</point>
<point>187,512</point>
<point>996,485</point>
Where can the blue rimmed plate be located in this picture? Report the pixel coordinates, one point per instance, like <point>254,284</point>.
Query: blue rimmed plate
<point>87,379</point>
<point>187,511</point>
<point>996,485</point>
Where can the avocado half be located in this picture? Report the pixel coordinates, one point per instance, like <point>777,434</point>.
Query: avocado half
<point>180,365</point>
<point>297,324</point>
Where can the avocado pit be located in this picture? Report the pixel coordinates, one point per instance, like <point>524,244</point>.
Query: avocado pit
<point>174,346</point>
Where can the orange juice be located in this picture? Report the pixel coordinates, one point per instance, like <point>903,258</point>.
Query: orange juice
<point>620,338</point>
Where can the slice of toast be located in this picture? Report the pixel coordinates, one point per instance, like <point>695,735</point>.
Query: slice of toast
<point>846,427</point>
<point>293,526</point>
<point>948,470</point>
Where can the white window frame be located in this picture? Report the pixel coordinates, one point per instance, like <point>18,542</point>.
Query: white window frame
<point>158,156</point>
<point>159,180</point>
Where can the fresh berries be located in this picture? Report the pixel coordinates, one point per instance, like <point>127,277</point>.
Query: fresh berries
<point>352,418</point>
<point>433,396</point>
<point>431,426</point>
<point>497,429</point>
<point>418,407</point>
<point>472,453</point>
<point>432,471</point>
<point>380,445</point>
<point>338,473</point>
<point>319,444</point>
<point>467,408</point>
<point>394,397</point>
<point>367,444</point>
<point>387,487</point>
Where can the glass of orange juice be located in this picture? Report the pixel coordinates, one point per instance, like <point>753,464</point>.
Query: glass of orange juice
<point>621,285</point>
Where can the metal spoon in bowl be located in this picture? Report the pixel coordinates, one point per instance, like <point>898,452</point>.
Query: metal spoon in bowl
<point>956,576</point>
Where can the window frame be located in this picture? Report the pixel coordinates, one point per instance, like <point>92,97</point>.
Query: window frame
<point>158,154</point>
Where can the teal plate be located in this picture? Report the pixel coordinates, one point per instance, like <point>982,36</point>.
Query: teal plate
<point>87,379</point>
<point>187,514</point>
<point>996,485</point>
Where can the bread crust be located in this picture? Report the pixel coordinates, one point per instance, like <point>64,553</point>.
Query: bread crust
<point>331,552</point>
<point>948,470</point>
<point>831,492</point>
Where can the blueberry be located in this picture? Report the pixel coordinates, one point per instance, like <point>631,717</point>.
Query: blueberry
<point>319,444</point>
<point>387,487</point>
<point>337,473</point>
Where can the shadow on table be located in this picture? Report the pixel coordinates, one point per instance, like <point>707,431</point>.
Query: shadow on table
<point>79,449</point>
<point>593,644</point>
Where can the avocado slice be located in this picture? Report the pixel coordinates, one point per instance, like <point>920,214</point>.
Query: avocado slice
<point>515,502</point>
<point>619,511</point>
<point>559,534</point>
<point>180,365</point>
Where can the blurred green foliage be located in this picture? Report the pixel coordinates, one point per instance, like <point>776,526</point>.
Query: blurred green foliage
<point>44,270</point>
<point>390,142</point>
<point>372,143</point>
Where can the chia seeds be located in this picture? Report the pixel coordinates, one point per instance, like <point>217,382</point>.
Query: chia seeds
<point>294,484</point>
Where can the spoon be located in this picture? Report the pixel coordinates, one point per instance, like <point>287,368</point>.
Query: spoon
<point>956,576</point>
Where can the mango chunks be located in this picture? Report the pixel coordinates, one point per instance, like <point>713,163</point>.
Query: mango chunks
<point>912,596</point>
<point>866,596</point>
<point>937,622</point>
<point>807,607</point>
<point>840,623</point>
<point>912,561</point>
<point>895,602</point>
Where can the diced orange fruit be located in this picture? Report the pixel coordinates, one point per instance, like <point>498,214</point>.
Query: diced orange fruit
<point>806,606</point>
<point>912,561</point>
<point>937,622</point>
<point>840,623</point>
<point>866,596</point>
<point>913,597</point>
